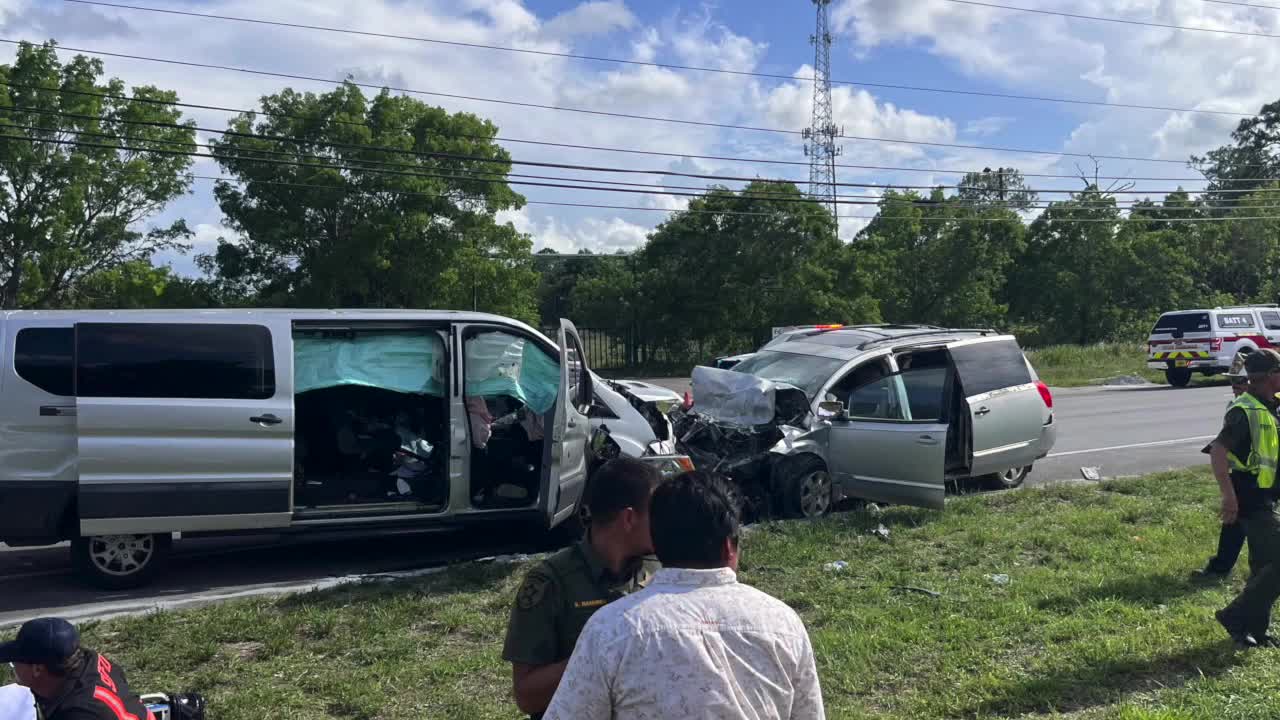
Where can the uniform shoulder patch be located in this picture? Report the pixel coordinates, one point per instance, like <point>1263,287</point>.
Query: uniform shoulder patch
<point>533,589</point>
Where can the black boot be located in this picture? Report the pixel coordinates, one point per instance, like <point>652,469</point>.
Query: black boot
<point>1239,635</point>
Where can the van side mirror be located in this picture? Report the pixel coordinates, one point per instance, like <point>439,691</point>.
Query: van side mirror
<point>832,410</point>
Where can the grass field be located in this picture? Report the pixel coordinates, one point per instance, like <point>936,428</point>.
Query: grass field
<point>1080,365</point>
<point>1098,619</point>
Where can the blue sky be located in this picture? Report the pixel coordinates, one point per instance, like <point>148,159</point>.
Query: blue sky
<point>933,43</point>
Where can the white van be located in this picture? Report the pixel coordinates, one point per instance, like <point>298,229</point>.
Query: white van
<point>120,428</point>
<point>1205,341</point>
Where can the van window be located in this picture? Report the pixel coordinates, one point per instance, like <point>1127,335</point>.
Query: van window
<point>1271,319</point>
<point>988,366</point>
<point>43,357</point>
<point>164,360</point>
<point>1234,321</point>
<point>1186,322</point>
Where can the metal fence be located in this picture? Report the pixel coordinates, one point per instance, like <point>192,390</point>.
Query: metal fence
<point>628,347</point>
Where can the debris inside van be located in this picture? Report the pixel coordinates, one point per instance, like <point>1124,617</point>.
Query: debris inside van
<point>370,412</point>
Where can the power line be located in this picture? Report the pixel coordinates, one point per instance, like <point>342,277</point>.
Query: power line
<point>697,211</point>
<point>631,151</point>
<point>504,174</point>
<point>641,63</point>
<point>1102,204</point>
<point>649,118</point>
<point>1121,21</point>
<point>1241,4</point>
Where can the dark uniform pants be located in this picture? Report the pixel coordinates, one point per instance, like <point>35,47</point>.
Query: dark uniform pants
<point>1251,610</point>
<point>1230,543</point>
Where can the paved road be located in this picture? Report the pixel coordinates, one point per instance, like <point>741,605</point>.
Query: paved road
<point>1132,430</point>
<point>1123,431</point>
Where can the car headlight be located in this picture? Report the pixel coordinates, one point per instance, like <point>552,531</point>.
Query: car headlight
<point>670,465</point>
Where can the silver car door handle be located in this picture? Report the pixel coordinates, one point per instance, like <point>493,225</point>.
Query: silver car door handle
<point>57,411</point>
<point>982,411</point>
<point>926,440</point>
<point>267,419</point>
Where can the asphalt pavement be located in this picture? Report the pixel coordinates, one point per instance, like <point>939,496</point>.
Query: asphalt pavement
<point>1121,431</point>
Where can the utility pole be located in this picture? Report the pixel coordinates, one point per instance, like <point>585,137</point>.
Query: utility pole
<point>820,136</point>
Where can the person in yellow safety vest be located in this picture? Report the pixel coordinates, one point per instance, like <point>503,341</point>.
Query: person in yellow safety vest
<point>1244,458</point>
<point>1231,537</point>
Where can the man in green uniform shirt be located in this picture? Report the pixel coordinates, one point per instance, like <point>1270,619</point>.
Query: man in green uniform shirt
<point>561,593</point>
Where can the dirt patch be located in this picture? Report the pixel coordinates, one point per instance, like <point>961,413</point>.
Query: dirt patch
<point>247,651</point>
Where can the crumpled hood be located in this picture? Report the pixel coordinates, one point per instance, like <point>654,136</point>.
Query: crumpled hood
<point>735,398</point>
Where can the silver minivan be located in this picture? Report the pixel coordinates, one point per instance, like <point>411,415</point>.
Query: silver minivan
<point>120,428</point>
<point>888,413</point>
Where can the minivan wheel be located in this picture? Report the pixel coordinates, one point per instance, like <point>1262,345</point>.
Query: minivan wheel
<point>1178,377</point>
<point>806,488</point>
<point>119,562</point>
<point>1007,480</point>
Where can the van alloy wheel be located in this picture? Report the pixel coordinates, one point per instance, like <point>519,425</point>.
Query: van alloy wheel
<point>122,561</point>
<point>815,493</point>
<point>121,555</point>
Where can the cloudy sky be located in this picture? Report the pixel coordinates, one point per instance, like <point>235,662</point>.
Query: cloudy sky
<point>929,43</point>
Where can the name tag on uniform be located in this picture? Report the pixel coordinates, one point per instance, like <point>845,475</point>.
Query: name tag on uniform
<point>590,603</point>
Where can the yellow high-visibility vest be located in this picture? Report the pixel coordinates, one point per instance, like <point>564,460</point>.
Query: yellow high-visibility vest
<point>1265,447</point>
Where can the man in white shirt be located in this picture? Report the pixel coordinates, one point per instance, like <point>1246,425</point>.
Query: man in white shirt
<point>695,643</point>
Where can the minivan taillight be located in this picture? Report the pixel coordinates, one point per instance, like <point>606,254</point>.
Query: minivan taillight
<point>1045,394</point>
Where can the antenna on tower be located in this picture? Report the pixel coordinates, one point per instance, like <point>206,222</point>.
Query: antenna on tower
<point>820,136</point>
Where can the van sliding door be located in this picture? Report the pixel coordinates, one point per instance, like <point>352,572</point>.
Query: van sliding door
<point>184,426</point>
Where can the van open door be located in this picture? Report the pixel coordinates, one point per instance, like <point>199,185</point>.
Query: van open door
<point>1006,412</point>
<point>571,431</point>
<point>889,443</point>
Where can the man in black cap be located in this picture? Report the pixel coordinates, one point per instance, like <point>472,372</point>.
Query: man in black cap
<point>69,682</point>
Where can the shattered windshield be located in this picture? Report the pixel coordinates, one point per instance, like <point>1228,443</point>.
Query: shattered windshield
<point>807,372</point>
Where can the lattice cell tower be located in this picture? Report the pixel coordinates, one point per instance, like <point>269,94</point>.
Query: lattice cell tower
<point>820,137</point>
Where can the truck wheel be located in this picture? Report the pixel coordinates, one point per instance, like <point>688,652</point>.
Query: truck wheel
<point>120,562</point>
<point>1178,377</point>
<point>1007,480</point>
<point>804,488</point>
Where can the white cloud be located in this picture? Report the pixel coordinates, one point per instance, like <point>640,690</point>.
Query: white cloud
<point>596,17</point>
<point>597,234</point>
<point>988,125</point>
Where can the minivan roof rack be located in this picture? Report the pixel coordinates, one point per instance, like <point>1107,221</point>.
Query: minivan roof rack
<point>1245,307</point>
<point>922,333</point>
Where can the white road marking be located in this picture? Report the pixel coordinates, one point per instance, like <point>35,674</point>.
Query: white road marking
<point>1155,443</point>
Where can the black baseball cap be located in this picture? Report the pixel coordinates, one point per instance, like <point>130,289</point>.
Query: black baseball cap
<point>44,641</point>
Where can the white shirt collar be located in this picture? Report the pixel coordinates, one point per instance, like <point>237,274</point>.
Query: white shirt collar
<point>695,578</point>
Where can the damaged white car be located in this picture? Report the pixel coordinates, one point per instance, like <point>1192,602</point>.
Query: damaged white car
<point>889,413</point>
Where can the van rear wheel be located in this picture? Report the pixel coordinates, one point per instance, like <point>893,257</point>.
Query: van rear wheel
<point>1178,377</point>
<point>120,562</point>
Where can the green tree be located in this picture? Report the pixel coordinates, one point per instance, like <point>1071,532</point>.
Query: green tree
<point>737,263</point>
<point>342,200</point>
<point>941,260</point>
<point>1002,187</point>
<point>1247,162</point>
<point>139,285</point>
<point>83,164</point>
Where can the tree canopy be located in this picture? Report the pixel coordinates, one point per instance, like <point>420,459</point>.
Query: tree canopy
<point>83,164</point>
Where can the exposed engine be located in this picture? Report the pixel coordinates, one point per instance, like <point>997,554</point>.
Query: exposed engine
<point>741,452</point>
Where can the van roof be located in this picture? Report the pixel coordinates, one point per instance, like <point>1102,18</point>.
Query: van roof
<point>262,313</point>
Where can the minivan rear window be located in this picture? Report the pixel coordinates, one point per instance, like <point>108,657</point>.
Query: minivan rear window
<point>1235,321</point>
<point>1186,322</point>
<point>984,367</point>
<point>44,357</point>
<point>168,360</point>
